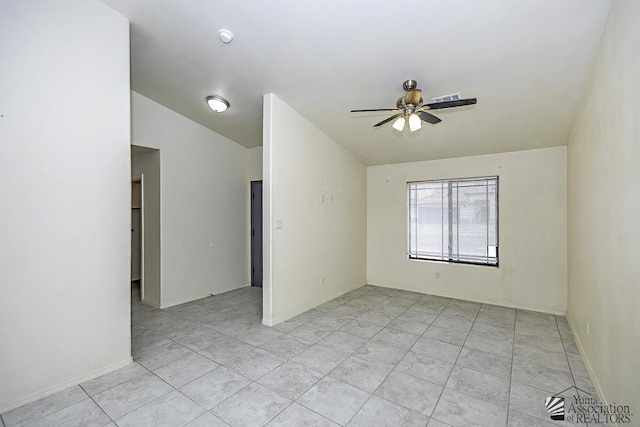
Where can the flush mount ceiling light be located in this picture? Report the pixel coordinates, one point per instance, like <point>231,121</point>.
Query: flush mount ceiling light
<point>217,103</point>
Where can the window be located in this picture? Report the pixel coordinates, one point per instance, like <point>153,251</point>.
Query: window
<point>454,220</point>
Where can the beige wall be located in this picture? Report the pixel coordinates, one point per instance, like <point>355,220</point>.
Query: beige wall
<point>317,190</point>
<point>66,206</point>
<point>136,194</point>
<point>604,213</point>
<point>203,203</point>
<point>532,231</point>
<point>255,164</point>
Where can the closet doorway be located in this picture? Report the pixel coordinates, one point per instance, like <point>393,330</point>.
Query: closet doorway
<point>137,233</point>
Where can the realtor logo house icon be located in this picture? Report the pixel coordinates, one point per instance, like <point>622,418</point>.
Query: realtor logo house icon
<point>555,406</point>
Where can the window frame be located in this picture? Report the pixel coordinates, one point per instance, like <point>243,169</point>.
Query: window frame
<point>450,260</point>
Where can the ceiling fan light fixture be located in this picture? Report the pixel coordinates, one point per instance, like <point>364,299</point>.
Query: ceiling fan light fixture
<point>414,123</point>
<point>217,103</point>
<point>399,124</point>
<point>411,108</point>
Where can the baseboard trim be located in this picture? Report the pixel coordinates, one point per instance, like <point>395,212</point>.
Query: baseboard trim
<point>8,406</point>
<point>190,299</point>
<point>273,322</point>
<point>152,304</point>
<point>587,364</point>
<point>481,301</point>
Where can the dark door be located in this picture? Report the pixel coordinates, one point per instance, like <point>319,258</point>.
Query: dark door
<point>256,233</point>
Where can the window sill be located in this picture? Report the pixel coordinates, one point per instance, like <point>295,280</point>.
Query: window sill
<point>452,262</point>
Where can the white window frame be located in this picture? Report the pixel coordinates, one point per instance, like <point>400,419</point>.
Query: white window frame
<point>448,256</point>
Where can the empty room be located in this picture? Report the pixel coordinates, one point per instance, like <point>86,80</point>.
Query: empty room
<point>333,213</point>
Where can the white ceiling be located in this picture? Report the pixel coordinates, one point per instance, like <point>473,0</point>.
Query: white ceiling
<point>527,62</point>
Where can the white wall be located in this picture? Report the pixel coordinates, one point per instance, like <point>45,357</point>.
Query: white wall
<point>204,192</point>
<point>64,180</point>
<point>255,164</point>
<point>318,238</point>
<point>147,165</point>
<point>532,231</point>
<point>604,213</point>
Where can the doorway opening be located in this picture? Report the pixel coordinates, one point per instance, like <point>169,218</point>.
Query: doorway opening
<point>137,236</point>
<point>145,169</point>
<point>256,233</point>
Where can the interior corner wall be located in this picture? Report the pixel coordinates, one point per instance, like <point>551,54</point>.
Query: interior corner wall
<point>66,196</point>
<point>532,231</point>
<point>148,165</point>
<point>203,203</point>
<point>604,214</point>
<point>255,164</point>
<point>314,215</point>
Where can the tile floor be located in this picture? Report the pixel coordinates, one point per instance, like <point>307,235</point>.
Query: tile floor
<point>373,357</point>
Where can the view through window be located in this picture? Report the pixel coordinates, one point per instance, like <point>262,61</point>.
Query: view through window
<point>454,220</point>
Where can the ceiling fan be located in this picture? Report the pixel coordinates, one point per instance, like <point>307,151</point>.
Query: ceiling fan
<point>410,108</point>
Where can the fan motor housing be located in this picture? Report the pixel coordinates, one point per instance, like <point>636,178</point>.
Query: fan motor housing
<point>413,97</point>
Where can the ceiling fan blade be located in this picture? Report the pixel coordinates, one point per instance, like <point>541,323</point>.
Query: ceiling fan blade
<point>429,118</point>
<point>451,104</point>
<point>385,121</point>
<point>375,109</point>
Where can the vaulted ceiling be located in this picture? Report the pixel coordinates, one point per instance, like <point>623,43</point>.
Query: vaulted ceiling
<point>526,61</point>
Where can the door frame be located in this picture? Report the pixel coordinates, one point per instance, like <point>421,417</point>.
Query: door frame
<point>140,179</point>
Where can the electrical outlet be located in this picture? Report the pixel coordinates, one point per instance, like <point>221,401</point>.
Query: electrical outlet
<point>322,280</point>
<point>586,326</point>
<point>437,275</point>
